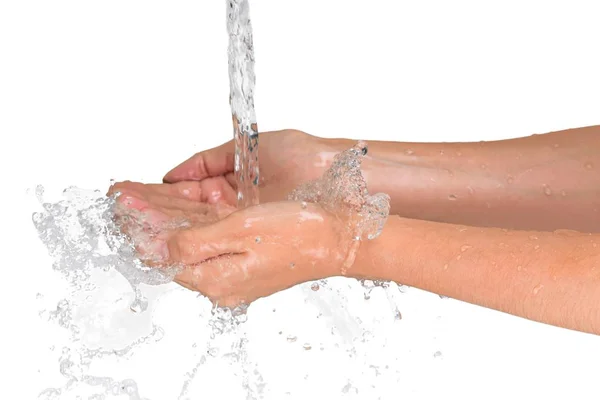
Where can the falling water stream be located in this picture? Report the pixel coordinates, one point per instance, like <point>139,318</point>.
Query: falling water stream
<point>241,99</point>
<point>93,255</point>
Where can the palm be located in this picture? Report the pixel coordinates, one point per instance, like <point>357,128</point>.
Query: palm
<point>287,159</point>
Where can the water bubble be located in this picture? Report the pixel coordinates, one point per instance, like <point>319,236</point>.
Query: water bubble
<point>452,197</point>
<point>307,346</point>
<point>563,193</point>
<point>112,182</point>
<point>589,165</point>
<point>470,190</point>
<point>315,287</point>
<point>537,289</point>
<point>39,296</point>
<point>533,237</point>
<point>465,247</point>
<point>257,240</point>
<point>483,166</point>
<point>291,338</point>
<point>409,152</point>
<point>437,354</point>
<point>536,247</point>
<point>556,145</point>
<point>292,265</point>
<point>547,190</point>
<point>303,205</point>
<point>398,315</point>
<point>510,179</point>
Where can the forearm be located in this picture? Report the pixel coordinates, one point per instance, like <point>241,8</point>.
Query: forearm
<point>541,182</point>
<point>552,278</point>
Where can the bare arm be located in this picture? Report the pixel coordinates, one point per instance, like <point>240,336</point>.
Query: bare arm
<point>547,277</point>
<point>541,182</point>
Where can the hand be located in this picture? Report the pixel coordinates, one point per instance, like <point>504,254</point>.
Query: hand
<point>150,213</point>
<point>258,251</point>
<point>287,159</point>
<point>234,258</point>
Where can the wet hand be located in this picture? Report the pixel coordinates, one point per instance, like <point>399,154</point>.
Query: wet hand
<point>287,159</point>
<point>255,252</point>
<point>234,258</point>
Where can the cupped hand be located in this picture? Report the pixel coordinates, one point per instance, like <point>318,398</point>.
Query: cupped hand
<point>258,251</point>
<point>233,257</point>
<point>288,158</point>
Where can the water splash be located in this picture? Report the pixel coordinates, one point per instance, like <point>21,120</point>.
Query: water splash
<point>342,190</point>
<point>241,98</point>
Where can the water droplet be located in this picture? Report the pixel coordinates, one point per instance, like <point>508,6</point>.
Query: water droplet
<point>556,145</point>
<point>441,152</point>
<point>292,339</point>
<point>537,289</point>
<point>398,315</point>
<point>139,305</point>
<point>307,346</point>
<point>303,205</point>
<point>589,165</point>
<point>315,287</point>
<point>212,351</point>
<point>465,247</point>
<point>470,190</point>
<point>445,267</point>
<point>292,265</point>
<point>547,190</point>
<point>409,152</point>
<point>594,244</point>
<point>519,267</point>
<point>367,295</point>
<point>450,173</point>
<point>39,193</point>
<point>257,240</point>
<point>458,154</point>
<point>533,237</point>
<point>510,179</point>
<point>483,166</point>
<point>452,197</point>
<point>536,247</point>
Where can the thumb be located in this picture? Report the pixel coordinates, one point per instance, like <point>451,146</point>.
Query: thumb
<point>206,164</point>
<point>198,244</point>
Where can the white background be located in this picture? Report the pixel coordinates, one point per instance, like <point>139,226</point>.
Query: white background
<point>127,89</point>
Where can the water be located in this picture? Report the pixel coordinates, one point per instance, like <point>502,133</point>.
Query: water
<point>241,98</point>
<point>87,244</point>
<point>90,251</point>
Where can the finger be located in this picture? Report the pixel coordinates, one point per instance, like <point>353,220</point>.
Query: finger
<point>218,190</point>
<point>189,190</point>
<point>210,163</point>
<point>211,190</point>
<point>199,244</point>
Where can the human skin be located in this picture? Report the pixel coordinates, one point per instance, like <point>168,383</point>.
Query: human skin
<point>541,182</point>
<point>550,277</point>
<point>529,271</point>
